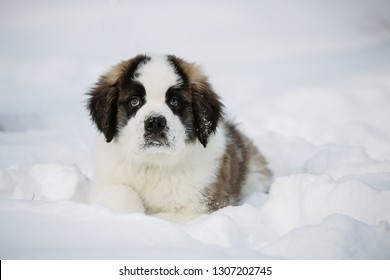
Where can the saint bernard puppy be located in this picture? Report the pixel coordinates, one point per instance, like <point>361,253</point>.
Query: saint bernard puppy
<point>165,147</point>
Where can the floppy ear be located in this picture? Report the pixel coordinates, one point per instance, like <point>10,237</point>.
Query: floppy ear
<point>207,110</point>
<point>103,101</point>
<point>103,106</point>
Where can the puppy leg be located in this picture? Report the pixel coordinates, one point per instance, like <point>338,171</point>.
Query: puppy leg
<point>119,198</point>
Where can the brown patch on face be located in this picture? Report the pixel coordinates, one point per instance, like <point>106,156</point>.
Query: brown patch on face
<point>112,76</point>
<point>206,105</point>
<point>233,170</point>
<point>104,96</point>
<point>191,72</point>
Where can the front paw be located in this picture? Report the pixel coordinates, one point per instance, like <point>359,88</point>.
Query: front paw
<point>119,198</point>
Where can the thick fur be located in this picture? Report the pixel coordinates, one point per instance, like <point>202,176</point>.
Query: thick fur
<point>165,146</point>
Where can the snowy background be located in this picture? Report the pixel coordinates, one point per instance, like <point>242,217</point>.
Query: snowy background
<point>309,81</point>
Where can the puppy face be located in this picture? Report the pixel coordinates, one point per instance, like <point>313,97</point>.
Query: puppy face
<point>154,110</point>
<point>155,105</point>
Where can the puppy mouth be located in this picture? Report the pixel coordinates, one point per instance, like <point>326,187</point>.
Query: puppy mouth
<point>156,144</point>
<point>155,141</point>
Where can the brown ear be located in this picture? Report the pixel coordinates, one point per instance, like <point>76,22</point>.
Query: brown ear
<point>207,110</point>
<point>207,107</point>
<point>103,106</point>
<point>103,101</point>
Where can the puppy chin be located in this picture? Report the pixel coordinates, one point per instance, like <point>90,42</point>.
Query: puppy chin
<point>157,150</point>
<point>157,154</point>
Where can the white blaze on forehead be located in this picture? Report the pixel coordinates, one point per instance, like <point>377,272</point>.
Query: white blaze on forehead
<point>157,76</point>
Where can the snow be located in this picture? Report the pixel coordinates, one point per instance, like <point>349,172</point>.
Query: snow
<point>308,81</point>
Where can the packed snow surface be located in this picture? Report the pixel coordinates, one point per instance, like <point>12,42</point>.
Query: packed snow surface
<point>308,81</point>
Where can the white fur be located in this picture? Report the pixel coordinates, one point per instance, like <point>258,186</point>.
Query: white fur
<point>175,187</point>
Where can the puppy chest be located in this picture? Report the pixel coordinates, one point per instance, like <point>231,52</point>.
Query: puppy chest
<point>167,192</point>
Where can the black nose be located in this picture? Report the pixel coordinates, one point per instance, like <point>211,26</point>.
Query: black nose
<point>155,124</point>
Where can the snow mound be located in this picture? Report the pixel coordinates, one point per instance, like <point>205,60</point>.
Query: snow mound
<point>303,199</point>
<point>51,182</point>
<point>336,237</point>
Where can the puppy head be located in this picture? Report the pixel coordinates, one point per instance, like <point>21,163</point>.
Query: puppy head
<point>155,104</point>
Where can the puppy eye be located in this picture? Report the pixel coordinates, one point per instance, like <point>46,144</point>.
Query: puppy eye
<point>135,101</point>
<point>174,101</point>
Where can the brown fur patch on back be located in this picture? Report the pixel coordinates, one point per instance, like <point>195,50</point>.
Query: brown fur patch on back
<point>234,168</point>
